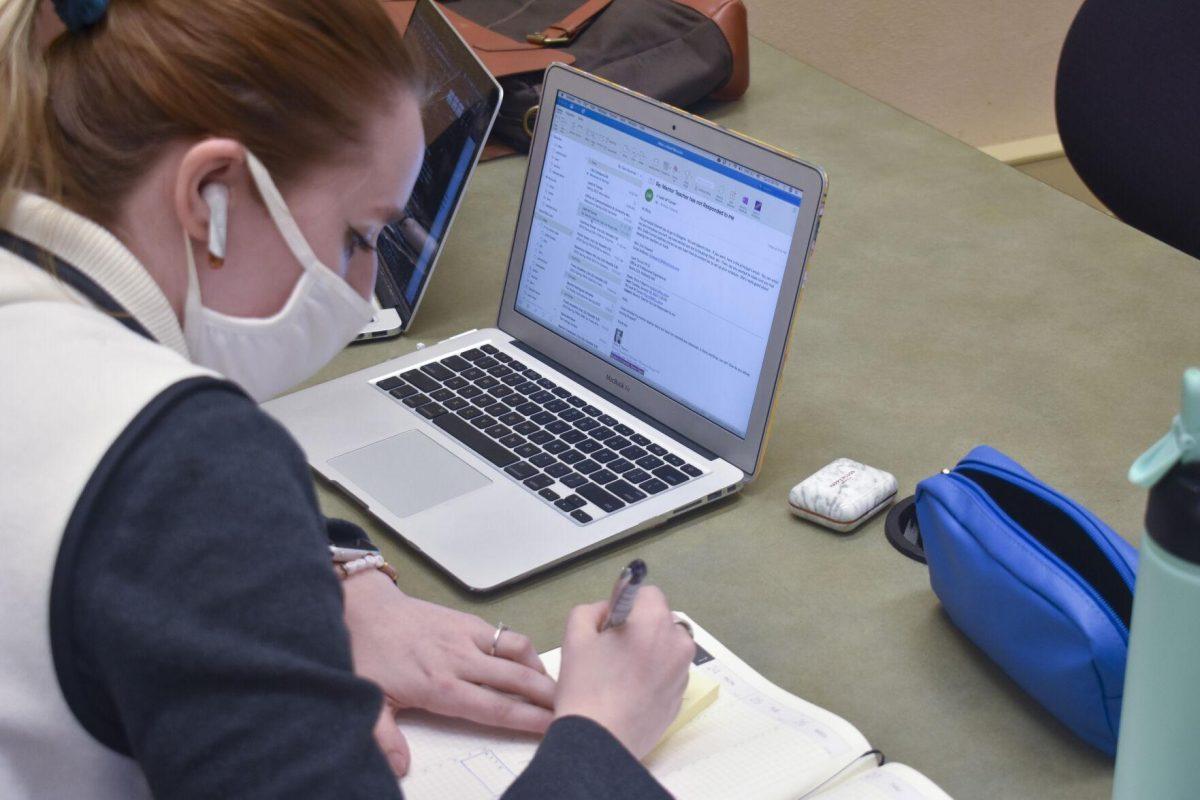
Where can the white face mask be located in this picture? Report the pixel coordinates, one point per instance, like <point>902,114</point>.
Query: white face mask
<point>270,354</point>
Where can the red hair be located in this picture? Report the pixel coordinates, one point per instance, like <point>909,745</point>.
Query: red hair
<point>292,80</point>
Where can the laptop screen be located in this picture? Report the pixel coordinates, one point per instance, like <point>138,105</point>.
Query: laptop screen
<point>457,112</point>
<point>660,258</point>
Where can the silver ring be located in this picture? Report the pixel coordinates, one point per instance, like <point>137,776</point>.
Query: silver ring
<point>500,629</point>
<point>687,626</point>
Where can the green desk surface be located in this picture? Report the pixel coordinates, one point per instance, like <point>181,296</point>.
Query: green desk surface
<point>952,301</point>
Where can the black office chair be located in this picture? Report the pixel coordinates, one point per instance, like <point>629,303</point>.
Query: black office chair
<point>1128,105</point>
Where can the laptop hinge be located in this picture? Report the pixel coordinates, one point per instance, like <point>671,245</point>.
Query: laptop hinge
<point>405,314</point>
<point>617,401</point>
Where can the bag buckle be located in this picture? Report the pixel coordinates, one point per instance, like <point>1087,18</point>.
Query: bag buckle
<point>527,120</point>
<point>542,40</point>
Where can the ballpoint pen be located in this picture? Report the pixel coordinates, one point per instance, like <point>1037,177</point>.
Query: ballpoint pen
<point>623,594</point>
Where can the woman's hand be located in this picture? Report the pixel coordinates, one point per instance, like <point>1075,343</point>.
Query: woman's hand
<point>434,658</point>
<point>630,679</point>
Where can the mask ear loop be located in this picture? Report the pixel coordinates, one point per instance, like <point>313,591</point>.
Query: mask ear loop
<point>314,268</point>
<point>217,197</point>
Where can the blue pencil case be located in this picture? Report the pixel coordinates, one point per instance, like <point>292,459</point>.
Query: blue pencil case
<point>1037,581</point>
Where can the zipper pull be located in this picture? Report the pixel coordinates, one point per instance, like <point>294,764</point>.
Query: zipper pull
<point>945,471</point>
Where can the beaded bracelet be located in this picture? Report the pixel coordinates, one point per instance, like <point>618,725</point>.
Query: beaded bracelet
<point>373,561</point>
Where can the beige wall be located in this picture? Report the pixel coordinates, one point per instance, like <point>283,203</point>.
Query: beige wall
<point>980,70</point>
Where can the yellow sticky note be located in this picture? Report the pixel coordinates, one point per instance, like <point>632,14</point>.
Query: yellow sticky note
<point>701,692</point>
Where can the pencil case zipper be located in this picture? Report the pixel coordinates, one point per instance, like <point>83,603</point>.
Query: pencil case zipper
<point>1023,484</point>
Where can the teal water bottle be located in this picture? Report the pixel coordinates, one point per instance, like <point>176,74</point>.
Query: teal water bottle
<point>1160,714</point>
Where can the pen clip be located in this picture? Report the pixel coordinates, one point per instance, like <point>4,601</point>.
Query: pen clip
<point>615,598</point>
<point>623,594</point>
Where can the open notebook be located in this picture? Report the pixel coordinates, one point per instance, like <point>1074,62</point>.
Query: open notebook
<point>754,741</point>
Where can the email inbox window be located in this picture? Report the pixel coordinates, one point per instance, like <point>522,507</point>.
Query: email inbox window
<point>658,257</point>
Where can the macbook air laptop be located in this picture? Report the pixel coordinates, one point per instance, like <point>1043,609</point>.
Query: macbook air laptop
<point>458,110</point>
<point>654,274</point>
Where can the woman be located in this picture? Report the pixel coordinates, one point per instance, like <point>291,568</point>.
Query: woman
<point>172,624</point>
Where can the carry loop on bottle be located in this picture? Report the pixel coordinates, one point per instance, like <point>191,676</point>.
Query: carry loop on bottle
<point>1037,581</point>
<point>1160,726</point>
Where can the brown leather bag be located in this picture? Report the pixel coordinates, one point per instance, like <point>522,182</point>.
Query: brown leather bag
<point>678,51</point>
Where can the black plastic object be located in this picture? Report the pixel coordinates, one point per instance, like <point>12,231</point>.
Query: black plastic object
<point>902,530</point>
<point>1173,512</point>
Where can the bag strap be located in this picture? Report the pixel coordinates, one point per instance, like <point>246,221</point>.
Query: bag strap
<point>482,38</point>
<point>565,30</point>
<point>75,278</point>
<point>501,55</point>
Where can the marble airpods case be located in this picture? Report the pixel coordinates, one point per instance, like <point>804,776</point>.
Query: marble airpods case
<point>842,495</point>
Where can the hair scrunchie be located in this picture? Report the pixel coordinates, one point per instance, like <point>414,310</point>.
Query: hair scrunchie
<point>80,14</point>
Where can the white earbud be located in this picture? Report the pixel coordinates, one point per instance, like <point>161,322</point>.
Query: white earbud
<point>217,197</point>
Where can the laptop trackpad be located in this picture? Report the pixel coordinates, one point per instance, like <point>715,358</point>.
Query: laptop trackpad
<point>408,473</point>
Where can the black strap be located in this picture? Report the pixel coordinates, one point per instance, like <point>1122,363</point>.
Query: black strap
<point>74,278</point>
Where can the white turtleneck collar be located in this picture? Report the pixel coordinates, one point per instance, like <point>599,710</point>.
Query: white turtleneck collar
<point>98,254</point>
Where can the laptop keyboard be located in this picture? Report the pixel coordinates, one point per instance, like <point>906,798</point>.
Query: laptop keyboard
<point>584,462</point>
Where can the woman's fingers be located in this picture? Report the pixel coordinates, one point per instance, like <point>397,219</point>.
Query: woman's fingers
<point>583,623</point>
<point>513,678</point>
<point>519,648</point>
<point>489,707</point>
<point>391,741</point>
<point>513,645</point>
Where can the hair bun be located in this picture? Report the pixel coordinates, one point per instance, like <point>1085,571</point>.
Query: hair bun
<point>80,14</point>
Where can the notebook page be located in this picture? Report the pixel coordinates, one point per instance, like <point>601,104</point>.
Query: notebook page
<point>889,782</point>
<point>461,760</point>
<point>756,740</point>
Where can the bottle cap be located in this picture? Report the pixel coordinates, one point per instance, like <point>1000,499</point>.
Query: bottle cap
<point>1173,512</point>
<point>1182,442</point>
